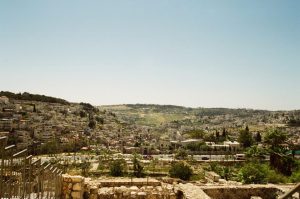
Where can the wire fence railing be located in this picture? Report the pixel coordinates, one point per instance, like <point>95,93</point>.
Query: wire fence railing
<point>24,177</point>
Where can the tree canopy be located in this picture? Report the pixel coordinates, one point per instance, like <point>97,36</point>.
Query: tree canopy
<point>33,97</point>
<point>181,170</point>
<point>245,138</point>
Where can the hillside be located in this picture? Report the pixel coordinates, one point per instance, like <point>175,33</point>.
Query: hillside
<point>31,119</point>
<point>154,115</point>
<point>33,97</point>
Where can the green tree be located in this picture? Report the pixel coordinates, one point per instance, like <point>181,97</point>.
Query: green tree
<point>117,167</point>
<point>258,137</point>
<point>255,153</point>
<point>137,167</point>
<point>85,167</point>
<point>195,146</point>
<point>245,138</point>
<point>224,133</point>
<point>253,173</point>
<point>196,133</point>
<point>82,114</point>
<point>181,170</point>
<point>181,154</point>
<point>92,124</point>
<point>275,139</point>
<point>226,172</point>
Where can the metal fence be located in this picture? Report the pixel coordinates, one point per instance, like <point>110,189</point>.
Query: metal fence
<point>23,176</point>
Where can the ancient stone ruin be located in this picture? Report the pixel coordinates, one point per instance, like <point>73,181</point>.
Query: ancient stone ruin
<point>78,187</point>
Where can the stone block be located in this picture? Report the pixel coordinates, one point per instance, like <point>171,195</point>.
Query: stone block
<point>77,187</point>
<point>93,196</point>
<point>159,188</point>
<point>142,193</point>
<point>77,179</point>
<point>126,193</point>
<point>133,194</point>
<point>172,196</point>
<point>94,190</point>
<point>76,195</point>
<point>67,179</point>
<point>134,188</point>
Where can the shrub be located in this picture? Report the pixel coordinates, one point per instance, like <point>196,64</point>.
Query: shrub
<point>295,177</point>
<point>117,168</point>
<point>275,177</point>
<point>181,154</point>
<point>85,167</point>
<point>181,170</point>
<point>253,173</point>
<point>137,167</point>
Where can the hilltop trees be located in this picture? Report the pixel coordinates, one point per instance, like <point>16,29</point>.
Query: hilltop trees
<point>92,124</point>
<point>33,97</point>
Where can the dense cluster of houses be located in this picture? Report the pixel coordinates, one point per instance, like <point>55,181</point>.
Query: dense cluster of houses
<point>27,122</point>
<point>31,122</point>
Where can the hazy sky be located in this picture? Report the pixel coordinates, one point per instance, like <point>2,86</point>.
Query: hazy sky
<point>231,53</point>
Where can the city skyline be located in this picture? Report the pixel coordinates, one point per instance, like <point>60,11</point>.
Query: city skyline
<point>233,54</point>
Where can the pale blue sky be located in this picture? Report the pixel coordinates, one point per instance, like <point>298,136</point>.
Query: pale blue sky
<point>231,53</point>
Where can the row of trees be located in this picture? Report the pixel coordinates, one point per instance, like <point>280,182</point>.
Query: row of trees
<point>246,138</point>
<point>117,167</point>
<point>33,97</point>
<point>178,169</point>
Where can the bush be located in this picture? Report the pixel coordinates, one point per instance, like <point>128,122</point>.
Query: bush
<point>137,167</point>
<point>295,177</point>
<point>181,170</point>
<point>117,168</point>
<point>181,154</point>
<point>275,177</point>
<point>85,167</point>
<point>253,173</point>
<point>92,124</point>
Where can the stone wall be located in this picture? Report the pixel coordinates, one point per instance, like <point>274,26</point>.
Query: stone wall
<point>77,187</point>
<point>73,187</point>
<point>124,192</point>
<point>238,192</point>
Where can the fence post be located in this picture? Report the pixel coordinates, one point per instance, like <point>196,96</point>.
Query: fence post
<point>23,178</point>
<point>8,151</point>
<point>29,183</point>
<point>3,142</point>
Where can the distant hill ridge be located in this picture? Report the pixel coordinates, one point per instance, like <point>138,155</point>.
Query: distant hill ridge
<point>159,107</point>
<point>33,97</point>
